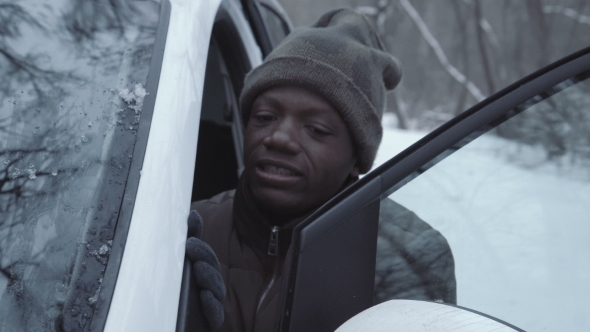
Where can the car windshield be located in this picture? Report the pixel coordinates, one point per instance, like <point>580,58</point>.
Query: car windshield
<point>73,77</point>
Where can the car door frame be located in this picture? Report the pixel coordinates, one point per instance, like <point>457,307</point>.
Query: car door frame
<point>259,27</point>
<point>147,283</point>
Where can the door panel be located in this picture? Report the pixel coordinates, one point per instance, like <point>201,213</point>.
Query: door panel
<point>340,244</point>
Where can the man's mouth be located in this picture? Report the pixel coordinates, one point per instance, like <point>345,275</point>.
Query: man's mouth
<point>277,172</point>
<point>272,169</point>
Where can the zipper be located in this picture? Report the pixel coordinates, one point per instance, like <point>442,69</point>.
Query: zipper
<point>273,249</point>
<point>268,287</point>
<point>273,244</point>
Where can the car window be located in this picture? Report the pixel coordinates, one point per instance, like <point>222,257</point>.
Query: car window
<point>395,140</point>
<point>511,201</point>
<point>71,102</point>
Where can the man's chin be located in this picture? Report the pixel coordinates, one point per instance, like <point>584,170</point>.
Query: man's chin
<point>279,202</point>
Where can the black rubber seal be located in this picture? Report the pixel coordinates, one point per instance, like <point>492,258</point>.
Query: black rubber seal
<point>126,210</point>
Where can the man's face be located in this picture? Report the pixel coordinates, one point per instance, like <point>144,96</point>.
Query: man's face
<point>297,150</point>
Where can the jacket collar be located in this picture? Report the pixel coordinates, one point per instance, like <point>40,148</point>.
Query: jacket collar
<point>255,227</point>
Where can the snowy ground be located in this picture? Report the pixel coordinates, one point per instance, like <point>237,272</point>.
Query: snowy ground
<point>519,228</point>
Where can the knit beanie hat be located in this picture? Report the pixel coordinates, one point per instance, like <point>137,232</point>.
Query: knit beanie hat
<point>341,58</point>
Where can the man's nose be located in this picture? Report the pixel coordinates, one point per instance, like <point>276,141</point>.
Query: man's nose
<point>283,137</point>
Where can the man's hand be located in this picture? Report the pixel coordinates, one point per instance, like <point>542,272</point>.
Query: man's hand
<point>207,272</point>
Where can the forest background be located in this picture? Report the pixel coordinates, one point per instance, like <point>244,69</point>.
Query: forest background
<point>457,52</point>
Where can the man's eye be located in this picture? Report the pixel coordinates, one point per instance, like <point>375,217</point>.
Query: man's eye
<point>264,117</point>
<point>318,131</point>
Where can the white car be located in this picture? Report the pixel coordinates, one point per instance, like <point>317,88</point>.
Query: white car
<point>116,115</point>
<point>102,103</point>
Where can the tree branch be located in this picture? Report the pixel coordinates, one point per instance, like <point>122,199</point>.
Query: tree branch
<point>442,58</point>
<point>482,48</point>
<point>568,12</point>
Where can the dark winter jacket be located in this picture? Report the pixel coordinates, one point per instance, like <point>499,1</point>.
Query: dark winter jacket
<point>251,276</point>
<point>414,261</point>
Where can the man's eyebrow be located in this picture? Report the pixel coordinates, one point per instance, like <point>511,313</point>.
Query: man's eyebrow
<point>274,102</point>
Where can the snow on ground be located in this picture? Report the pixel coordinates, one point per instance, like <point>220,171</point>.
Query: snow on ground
<point>394,140</point>
<point>519,228</point>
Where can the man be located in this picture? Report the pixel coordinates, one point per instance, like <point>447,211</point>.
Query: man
<point>312,112</point>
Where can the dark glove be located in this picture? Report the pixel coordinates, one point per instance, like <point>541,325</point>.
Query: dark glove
<point>207,272</point>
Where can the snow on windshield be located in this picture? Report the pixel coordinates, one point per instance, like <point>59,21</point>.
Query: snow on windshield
<point>65,140</point>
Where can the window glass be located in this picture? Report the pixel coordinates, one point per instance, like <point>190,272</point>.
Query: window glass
<point>512,205</point>
<point>73,82</point>
<point>414,260</point>
<point>277,29</point>
<point>395,140</point>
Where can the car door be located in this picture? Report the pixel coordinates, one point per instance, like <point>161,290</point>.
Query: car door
<point>506,184</point>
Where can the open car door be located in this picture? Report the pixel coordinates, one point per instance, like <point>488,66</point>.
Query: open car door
<point>507,185</point>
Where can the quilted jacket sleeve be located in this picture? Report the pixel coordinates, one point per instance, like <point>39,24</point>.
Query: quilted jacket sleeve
<point>414,261</point>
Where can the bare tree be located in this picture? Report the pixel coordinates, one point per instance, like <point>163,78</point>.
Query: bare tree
<point>457,52</point>
<point>55,155</point>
